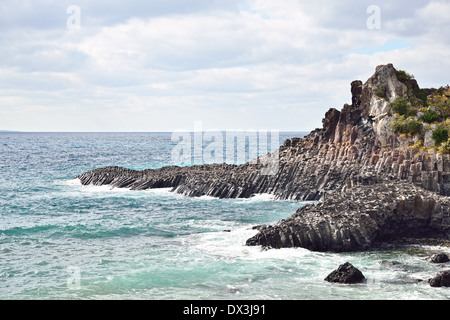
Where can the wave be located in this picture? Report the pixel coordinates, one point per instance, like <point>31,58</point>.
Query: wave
<point>259,197</point>
<point>97,232</point>
<point>106,188</point>
<point>22,231</point>
<point>262,197</point>
<point>89,188</point>
<point>71,182</point>
<point>230,245</point>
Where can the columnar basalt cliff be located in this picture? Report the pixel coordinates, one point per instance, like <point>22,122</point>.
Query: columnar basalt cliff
<point>373,185</point>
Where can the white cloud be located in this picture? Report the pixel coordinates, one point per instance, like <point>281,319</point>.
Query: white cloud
<point>164,64</point>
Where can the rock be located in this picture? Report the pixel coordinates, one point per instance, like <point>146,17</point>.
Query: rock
<point>442,279</point>
<point>439,258</point>
<point>428,140</point>
<point>389,263</point>
<point>346,273</point>
<point>368,188</point>
<point>346,222</point>
<point>259,227</point>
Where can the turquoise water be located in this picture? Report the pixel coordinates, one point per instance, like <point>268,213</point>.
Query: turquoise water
<point>61,240</point>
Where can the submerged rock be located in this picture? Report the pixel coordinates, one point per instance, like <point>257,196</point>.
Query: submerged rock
<point>439,258</point>
<point>442,279</point>
<point>389,263</point>
<point>346,273</point>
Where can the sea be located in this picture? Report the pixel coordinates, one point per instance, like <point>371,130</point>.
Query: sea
<point>60,240</point>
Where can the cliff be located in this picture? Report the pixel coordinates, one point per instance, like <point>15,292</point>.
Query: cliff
<point>375,181</point>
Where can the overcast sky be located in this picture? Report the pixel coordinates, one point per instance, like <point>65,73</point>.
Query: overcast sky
<point>161,65</point>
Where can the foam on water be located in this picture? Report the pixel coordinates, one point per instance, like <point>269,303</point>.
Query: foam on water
<point>71,182</point>
<point>262,197</point>
<point>75,184</point>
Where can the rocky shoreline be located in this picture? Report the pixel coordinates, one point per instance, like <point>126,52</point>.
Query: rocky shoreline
<point>349,274</point>
<point>356,220</point>
<point>372,185</point>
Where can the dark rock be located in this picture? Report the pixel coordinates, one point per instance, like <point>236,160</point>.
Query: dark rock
<point>439,258</point>
<point>346,273</point>
<point>442,279</point>
<point>259,227</point>
<point>345,222</point>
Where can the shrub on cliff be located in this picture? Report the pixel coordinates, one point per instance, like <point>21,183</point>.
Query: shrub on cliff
<point>380,92</point>
<point>421,95</point>
<point>441,100</point>
<point>401,106</point>
<point>414,126</point>
<point>445,148</point>
<point>431,116</point>
<point>402,125</point>
<point>440,134</point>
<point>403,75</point>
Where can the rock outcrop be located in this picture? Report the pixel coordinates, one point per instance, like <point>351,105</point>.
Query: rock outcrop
<point>442,279</point>
<point>359,218</point>
<point>439,258</point>
<point>346,274</point>
<point>371,183</point>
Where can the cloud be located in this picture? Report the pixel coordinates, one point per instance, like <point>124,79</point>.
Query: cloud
<point>161,65</point>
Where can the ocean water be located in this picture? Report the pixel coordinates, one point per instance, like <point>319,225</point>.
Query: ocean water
<point>62,240</point>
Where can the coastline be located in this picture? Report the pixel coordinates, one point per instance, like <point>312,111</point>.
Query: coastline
<point>352,155</point>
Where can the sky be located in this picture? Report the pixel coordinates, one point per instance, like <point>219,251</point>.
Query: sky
<point>164,65</point>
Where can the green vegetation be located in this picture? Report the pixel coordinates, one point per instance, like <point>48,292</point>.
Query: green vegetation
<point>440,134</point>
<point>440,99</point>
<point>431,116</point>
<point>421,95</point>
<point>419,107</point>
<point>401,106</point>
<point>380,92</point>
<point>407,126</point>
<point>436,106</point>
<point>445,148</point>
<point>402,75</point>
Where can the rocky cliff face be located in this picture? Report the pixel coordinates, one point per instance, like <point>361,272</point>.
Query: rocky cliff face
<point>372,184</point>
<point>361,217</point>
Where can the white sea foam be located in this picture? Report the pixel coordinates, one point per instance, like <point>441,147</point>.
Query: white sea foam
<point>262,197</point>
<point>71,182</point>
<point>106,188</point>
<point>230,245</point>
<point>159,191</point>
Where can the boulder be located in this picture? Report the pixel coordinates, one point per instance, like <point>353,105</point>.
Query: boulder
<point>439,258</point>
<point>442,279</point>
<point>347,274</point>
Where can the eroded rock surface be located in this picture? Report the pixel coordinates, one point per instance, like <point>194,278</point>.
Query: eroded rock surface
<point>356,219</point>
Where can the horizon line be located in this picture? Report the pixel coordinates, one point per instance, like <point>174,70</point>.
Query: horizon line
<point>218,130</point>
